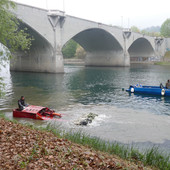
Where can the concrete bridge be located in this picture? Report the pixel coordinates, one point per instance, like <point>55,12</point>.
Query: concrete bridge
<point>105,45</point>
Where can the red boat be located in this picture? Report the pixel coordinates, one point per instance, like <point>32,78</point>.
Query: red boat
<point>36,112</point>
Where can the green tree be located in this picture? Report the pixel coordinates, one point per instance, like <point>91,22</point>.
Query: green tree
<point>165,28</point>
<point>11,35</point>
<point>153,34</point>
<point>135,29</point>
<point>70,49</point>
<point>145,32</point>
<point>80,52</point>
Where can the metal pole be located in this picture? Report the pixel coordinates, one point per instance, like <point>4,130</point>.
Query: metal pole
<point>46,4</point>
<point>64,5</point>
<point>122,21</point>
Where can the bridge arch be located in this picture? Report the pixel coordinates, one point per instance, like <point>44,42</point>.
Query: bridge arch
<point>102,48</point>
<point>39,58</point>
<point>141,49</point>
<point>97,39</point>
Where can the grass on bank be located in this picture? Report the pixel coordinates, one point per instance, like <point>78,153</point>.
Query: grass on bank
<point>163,63</point>
<point>151,157</point>
<point>166,60</point>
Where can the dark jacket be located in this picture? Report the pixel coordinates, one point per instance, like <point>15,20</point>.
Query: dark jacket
<point>21,104</point>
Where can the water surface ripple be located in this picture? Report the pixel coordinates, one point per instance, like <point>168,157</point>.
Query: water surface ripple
<point>122,117</point>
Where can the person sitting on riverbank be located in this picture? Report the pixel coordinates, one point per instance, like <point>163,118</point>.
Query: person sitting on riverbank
<point>21,103</point>
<point>168,84</point>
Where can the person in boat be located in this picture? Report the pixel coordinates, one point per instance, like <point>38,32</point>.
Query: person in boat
<point>21,103</point>
<point>168,84</point>
<point>161,86</point>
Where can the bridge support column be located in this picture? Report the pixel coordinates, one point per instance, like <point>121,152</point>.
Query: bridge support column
<point>126,35</point>
<point>159,51</point>
<point>41,58</point>
<point>35,61</point>
<point>107,58</point>
<point>126,58</point>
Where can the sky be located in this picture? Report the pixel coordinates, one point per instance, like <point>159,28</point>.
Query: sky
<point>125,13</point>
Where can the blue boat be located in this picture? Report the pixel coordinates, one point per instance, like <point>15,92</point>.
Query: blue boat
<point>150,90</point>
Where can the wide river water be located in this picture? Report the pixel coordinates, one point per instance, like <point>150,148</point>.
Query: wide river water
<point>140,120</point>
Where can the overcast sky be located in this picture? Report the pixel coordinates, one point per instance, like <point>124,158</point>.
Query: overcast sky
<point>126,13</point>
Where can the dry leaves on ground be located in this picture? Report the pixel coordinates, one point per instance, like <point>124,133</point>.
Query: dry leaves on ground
<point>23,147</point>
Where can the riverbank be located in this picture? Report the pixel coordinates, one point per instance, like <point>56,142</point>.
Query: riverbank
<point>163,63</point>
<point>142,62</point>
<point>74,61</point>
<point>26,147</point>
<point>166,60</point>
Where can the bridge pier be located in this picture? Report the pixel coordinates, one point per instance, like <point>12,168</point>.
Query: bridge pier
<point>107,58</point>
<point>37,62</point>
<point>41,57</point>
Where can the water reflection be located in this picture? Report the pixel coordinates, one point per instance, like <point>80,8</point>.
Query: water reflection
<point>39,88</point>
<point>87,85</point>
<point>96,85</point>
<point>103,86</point>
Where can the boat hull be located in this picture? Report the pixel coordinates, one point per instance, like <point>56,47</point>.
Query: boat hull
<point>17,113</point>
<point>150,90</point>
<point>36,112</point>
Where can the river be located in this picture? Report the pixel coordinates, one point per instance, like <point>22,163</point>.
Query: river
<point>140,120</point>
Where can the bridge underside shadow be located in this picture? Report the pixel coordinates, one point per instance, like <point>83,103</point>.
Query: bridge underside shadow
<point>40,57</point>
<point>141,49</point>
<point>102,48</point>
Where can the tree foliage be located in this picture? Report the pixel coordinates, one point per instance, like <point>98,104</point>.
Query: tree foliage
<point>11,35</point>
<point>165,28</point>
<point>153,29</point>
<point>153,34</point>
<point>146,31</point>
<point>80,52</point>
<point>135,29</point>
<point>70,49</point>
